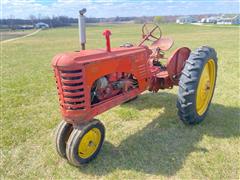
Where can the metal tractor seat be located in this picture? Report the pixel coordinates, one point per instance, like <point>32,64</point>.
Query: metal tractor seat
<point>163,43</point>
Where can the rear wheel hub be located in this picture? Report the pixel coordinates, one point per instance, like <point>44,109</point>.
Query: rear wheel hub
<point>205,86</point>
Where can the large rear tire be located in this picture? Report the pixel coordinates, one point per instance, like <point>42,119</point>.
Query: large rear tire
<point>196,85</point>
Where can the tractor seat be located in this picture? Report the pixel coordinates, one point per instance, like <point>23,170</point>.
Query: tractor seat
<point>163,43</point>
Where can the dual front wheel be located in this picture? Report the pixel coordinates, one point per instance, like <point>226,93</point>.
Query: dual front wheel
<point>79,144</point>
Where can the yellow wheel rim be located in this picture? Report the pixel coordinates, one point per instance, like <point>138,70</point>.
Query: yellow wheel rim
<point>205,87</point>
<point>89,143</point>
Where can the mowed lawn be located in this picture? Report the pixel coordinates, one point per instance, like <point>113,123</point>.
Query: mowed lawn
<point>144,138</point>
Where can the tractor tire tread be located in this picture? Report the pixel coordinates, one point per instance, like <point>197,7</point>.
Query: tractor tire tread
<point>60,134</point>
<point>188,84</point>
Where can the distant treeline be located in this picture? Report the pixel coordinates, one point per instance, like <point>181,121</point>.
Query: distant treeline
<point>52,22</point>
<point>61,21</point>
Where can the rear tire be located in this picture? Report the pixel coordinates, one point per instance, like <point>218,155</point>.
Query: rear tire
<point>196,85</point>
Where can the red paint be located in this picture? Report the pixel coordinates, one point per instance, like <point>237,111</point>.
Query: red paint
<point>107,34</point>
<point>77,72</point>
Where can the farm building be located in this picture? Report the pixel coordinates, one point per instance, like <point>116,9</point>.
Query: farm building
<point>222,20</point>
<point>229,20</point>
<point>41,25</point>
<point>210,20</point>
<point>186,19</point>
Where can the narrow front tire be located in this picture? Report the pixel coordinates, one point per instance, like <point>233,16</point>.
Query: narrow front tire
<point>62,134</point>
<point>85,142</point>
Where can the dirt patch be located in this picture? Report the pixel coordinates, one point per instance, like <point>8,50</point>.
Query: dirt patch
<point>4,35</point>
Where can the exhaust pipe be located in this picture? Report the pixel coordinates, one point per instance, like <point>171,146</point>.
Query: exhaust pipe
<point>82,28</point>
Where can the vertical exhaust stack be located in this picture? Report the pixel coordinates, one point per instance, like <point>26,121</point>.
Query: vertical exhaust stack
<point>82,28</point>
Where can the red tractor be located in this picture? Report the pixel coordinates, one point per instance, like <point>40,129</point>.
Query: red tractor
<point>91,82</point>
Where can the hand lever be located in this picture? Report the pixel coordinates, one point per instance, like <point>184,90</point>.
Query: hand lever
<point>107,34</point>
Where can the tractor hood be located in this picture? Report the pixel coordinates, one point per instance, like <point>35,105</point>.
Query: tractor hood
<point>87,56</point>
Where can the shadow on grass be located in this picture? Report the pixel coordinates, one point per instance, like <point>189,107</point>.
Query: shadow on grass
<point>163,145</point>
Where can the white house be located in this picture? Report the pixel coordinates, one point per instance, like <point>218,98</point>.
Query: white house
<point>41,25</point>
<point>212,20</point>
<point>236,20</point>
<point>186,19</point>
<point>229,20</point>
<point>203,20</point>
<point>222,20</point>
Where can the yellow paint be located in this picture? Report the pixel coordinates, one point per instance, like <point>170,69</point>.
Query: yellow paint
<point>205,87</point>
<point>89,143</point>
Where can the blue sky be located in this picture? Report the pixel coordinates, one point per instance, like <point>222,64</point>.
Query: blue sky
<point>111,8</point>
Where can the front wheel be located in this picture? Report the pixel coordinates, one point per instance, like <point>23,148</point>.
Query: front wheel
<point>62,134</point>
<point>197,84</point>
<point>85,142</point>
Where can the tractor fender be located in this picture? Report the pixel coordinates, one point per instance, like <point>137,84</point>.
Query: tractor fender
<point>176,62</point>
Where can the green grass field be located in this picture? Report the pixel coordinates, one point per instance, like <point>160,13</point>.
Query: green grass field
<point>144,138</point>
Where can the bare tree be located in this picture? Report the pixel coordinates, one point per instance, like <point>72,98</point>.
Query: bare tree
<point>39,16</point>
<point>11,22</point>
<point>32,18</point>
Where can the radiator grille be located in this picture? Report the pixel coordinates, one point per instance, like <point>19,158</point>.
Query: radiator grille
<point>70,89</point>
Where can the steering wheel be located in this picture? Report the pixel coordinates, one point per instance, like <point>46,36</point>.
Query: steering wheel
<point>151,32</point>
